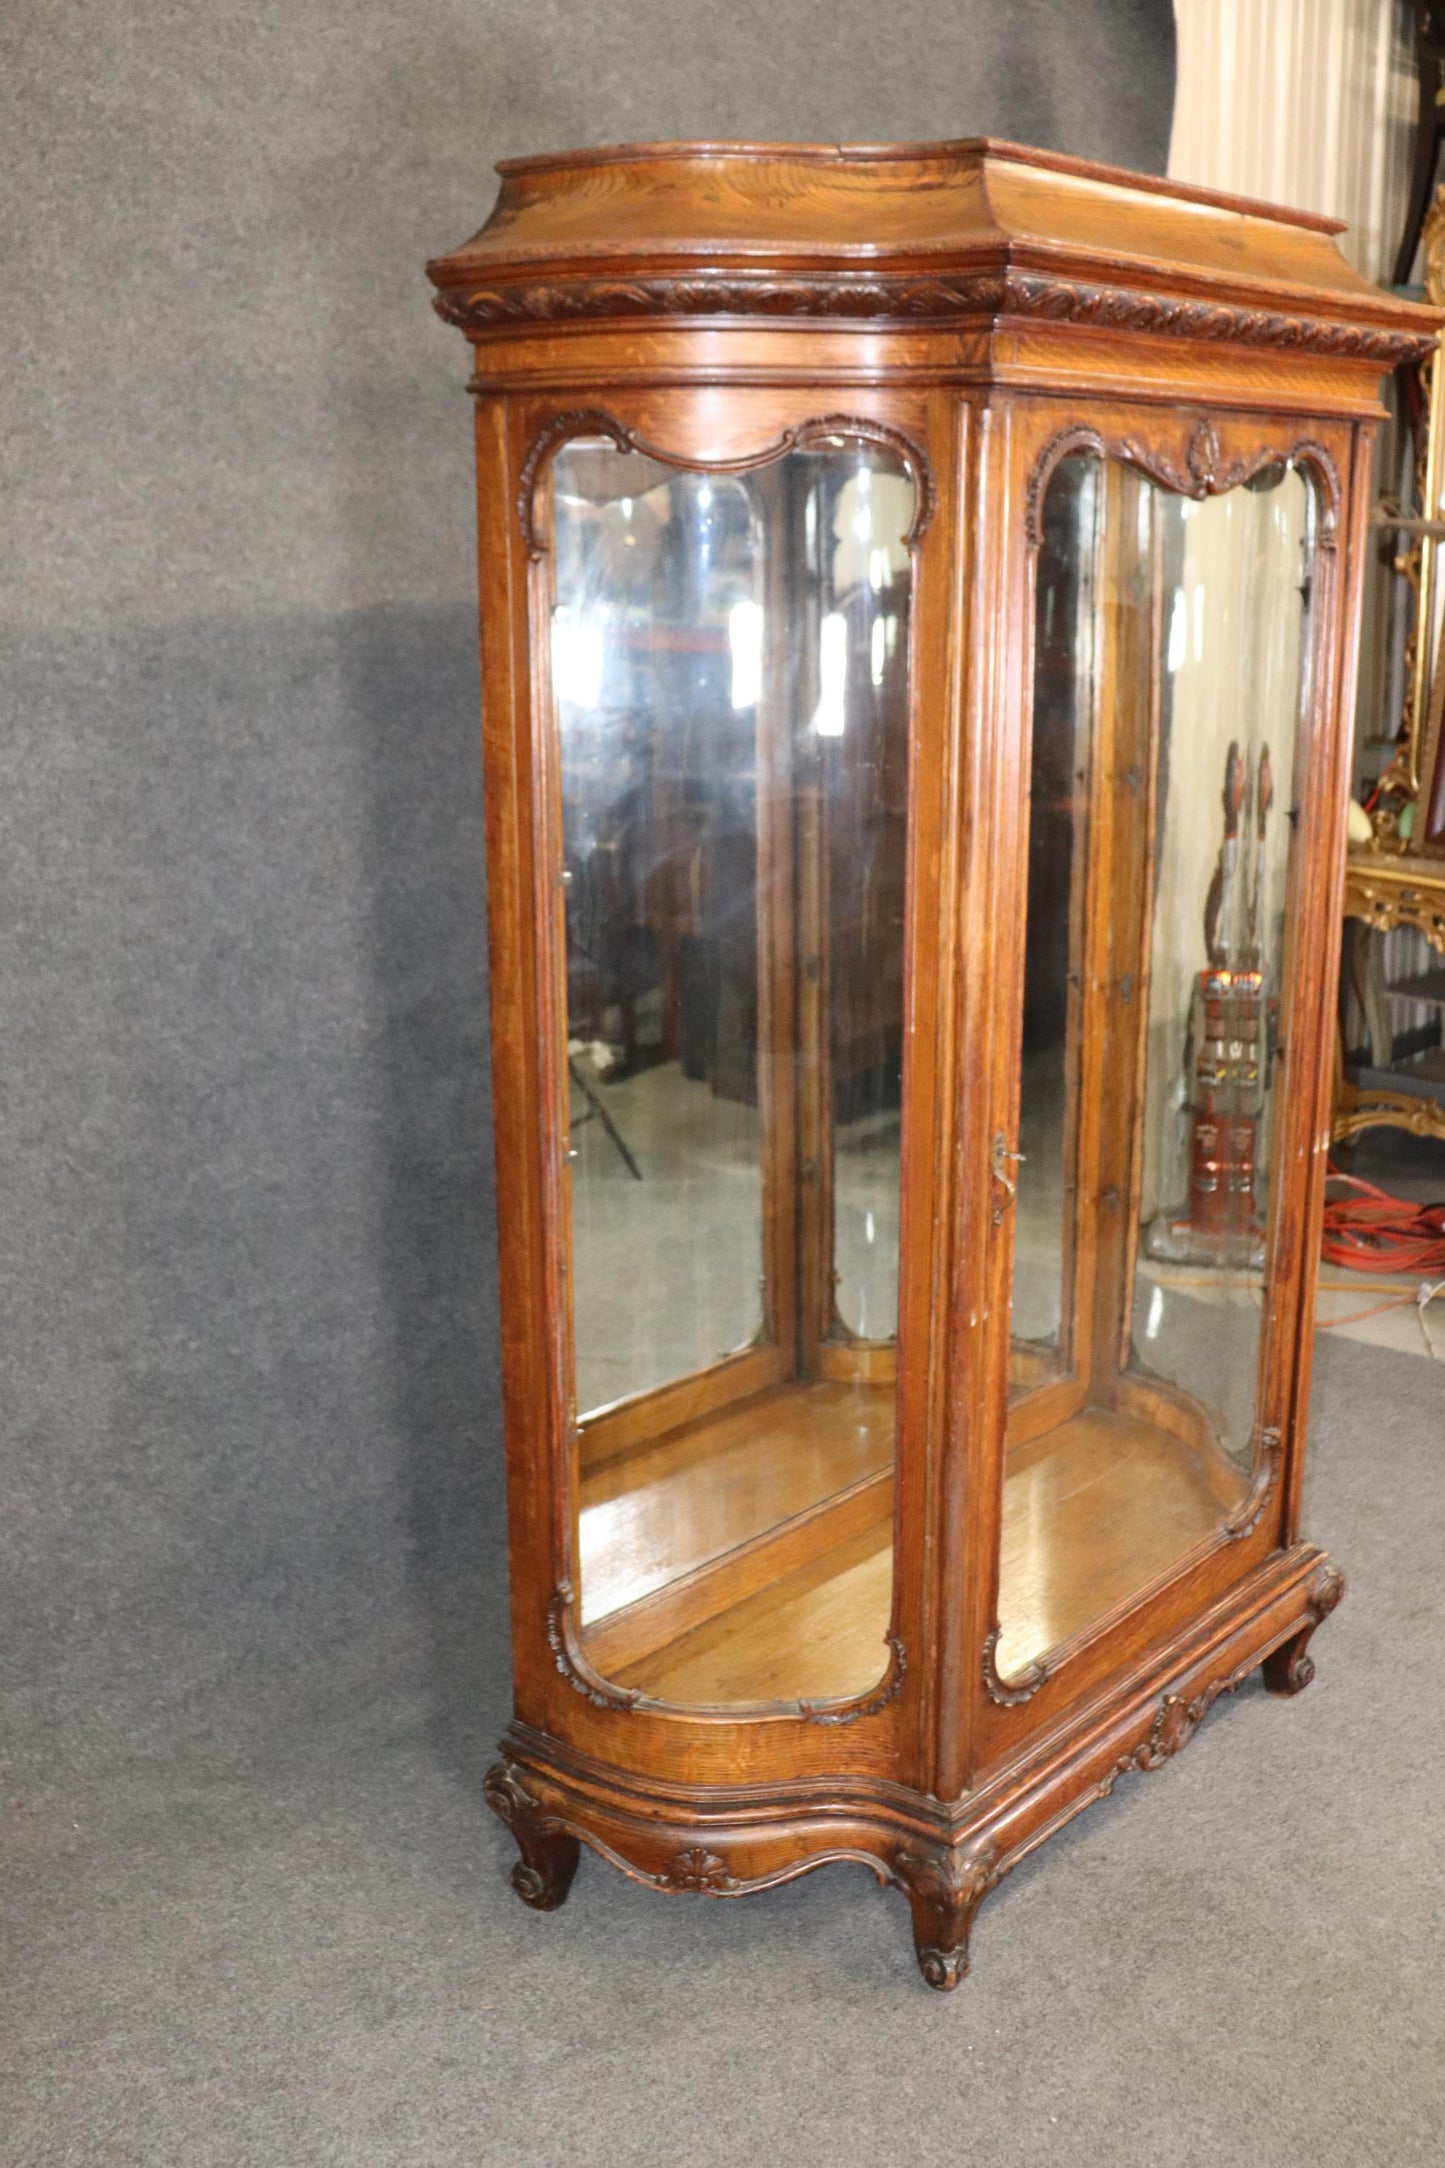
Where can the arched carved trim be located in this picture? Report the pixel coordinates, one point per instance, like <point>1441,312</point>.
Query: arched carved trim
<point>1268,1463</point>
<point>1009,1694</point>
<point>576,422</point>
<point>572,1663</point>
<point>1204,473</point>
<point>1307,453</point>
<point>698,1871</point>
<point>827,428</point>
<point>983,296</point>
<point>848,1712</point>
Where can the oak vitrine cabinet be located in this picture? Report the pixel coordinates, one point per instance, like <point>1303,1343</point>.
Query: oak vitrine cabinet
<point>919,592</point>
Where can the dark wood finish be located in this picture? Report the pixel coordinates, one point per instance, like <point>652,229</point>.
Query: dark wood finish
<point>984,310</point>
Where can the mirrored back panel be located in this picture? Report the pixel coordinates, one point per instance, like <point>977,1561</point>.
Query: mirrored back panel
<point>730,687</point>
<point>1172,645</point>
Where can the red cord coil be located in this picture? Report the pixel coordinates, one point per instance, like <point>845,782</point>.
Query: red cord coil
<point>1372,1231</point>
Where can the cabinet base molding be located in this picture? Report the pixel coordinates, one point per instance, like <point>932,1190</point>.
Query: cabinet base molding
<point>945,1858</point>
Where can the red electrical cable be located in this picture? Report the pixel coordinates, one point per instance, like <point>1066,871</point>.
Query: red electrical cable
<point>1375,1232</point>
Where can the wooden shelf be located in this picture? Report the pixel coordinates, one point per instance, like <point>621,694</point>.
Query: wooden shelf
<point>699,1519</point>
<point>1095,1510</point>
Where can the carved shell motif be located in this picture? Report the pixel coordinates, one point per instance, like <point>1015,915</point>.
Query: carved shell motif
<point>698,1870</point>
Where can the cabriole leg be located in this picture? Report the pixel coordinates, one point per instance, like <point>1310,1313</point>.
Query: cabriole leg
<point>543,1874</point>
<point>944,1890</point>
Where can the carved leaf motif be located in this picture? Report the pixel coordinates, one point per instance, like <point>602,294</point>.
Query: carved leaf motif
<point>945,1888</point>
<point>1202,457</point>
<point>953,1875</point>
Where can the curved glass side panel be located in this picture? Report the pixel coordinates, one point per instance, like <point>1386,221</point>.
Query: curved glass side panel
<point>1172,644</point>
<point>730,670</point>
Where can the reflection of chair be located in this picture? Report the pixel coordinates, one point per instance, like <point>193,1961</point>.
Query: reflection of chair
<point>595,1107</point>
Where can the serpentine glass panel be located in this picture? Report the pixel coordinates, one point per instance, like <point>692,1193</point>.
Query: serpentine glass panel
<point>729,667</point>
<point>1172,644</point>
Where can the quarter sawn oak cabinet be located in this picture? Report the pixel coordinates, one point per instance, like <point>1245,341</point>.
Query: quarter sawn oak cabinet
<point>919,598</point>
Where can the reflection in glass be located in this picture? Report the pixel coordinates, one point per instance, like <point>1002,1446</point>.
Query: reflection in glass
<point>1226,785</point>
<point>1171,646</point>
<point>729,665</point>
<point>1057,867</point>
<point>656,671</point>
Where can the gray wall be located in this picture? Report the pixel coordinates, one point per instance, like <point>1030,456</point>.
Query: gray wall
<point>251,1441</point>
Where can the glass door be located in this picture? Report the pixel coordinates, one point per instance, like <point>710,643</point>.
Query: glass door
<point>729,662</point>
<point>1172,642</point>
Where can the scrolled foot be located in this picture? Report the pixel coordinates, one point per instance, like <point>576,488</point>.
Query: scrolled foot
<point>945,1889</point>
<point>943,1969</point>
<point>1290,1668</point>
<point>543,1875</point>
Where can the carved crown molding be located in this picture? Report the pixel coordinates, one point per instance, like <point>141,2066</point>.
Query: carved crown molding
<point>911,299</point>
<point>826,428</point>
<point>1064,300</point>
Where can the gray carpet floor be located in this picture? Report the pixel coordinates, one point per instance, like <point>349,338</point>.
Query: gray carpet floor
<point>270,1923</point>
